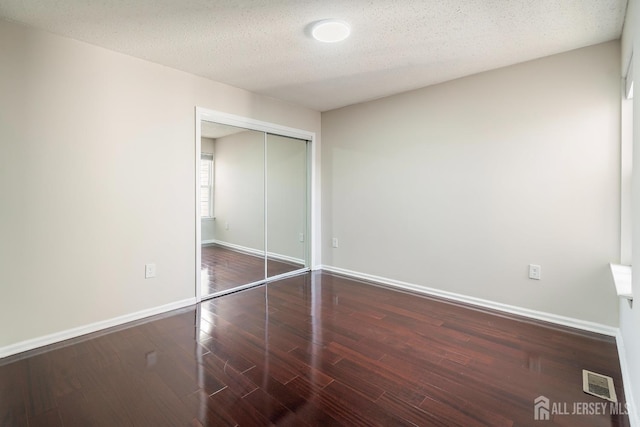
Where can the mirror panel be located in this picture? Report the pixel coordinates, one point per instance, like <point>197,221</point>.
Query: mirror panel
<point>233,236</point>
<point>286,177</point>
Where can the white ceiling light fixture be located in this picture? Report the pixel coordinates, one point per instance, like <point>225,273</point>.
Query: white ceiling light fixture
<point>330,30</point>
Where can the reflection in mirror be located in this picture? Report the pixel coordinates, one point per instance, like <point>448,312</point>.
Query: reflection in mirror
<point>286,204</point>
<point>232,207</point>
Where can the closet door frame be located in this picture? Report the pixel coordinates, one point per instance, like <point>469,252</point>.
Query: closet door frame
<point>313,223</point>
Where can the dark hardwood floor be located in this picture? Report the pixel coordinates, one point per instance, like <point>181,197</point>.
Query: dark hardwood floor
<point>223,269</point>
<point>313,349</point>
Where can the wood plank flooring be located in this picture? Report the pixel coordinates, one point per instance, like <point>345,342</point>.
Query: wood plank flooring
<point>223,269</point>
<point>314,349</point>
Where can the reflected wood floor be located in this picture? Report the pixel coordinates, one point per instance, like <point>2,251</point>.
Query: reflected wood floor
<point>314,349</point>
<point>223,269</point>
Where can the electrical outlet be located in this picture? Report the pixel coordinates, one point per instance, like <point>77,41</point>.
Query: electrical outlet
<point>301,237</point>
<point>152,358</point>
<point>226,225</point>
<point>534,271</point>
<point>149,271</point>
<point>334,242</point>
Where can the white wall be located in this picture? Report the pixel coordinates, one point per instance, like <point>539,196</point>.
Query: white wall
<point>461,185</point>
<point>207,227</point>
<point>97,177</point>
<point>630,316</point>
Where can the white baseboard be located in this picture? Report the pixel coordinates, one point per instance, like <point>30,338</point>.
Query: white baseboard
<point>634,420</point>
<point>256,252</point>
<point>90,328</point>
<point>285,258</point>
<point>521,311</point>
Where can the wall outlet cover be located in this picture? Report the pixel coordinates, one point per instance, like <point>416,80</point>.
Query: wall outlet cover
<point>535,271</point>
<point>149,271</point>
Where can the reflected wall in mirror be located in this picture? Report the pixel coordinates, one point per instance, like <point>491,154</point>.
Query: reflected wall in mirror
<point>233,245</point>
<point>286,204</point>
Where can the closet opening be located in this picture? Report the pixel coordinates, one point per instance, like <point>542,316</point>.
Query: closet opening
<point>253,203</point>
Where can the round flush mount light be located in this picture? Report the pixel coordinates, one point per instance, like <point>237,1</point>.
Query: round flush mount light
<point>330,30</point>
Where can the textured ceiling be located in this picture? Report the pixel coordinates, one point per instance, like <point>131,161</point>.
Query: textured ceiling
<point>263,45</point>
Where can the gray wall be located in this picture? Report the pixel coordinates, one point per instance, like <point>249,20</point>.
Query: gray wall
<point>460,186</point>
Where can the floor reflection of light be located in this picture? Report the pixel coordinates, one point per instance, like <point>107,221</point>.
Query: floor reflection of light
<point>316,319</point>
<point>265,375</point>
<point>204,281</point>
<point>205,327</point>
<point>200,350</point>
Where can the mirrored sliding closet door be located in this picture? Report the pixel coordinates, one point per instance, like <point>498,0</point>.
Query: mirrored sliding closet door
<point>253,204</point>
